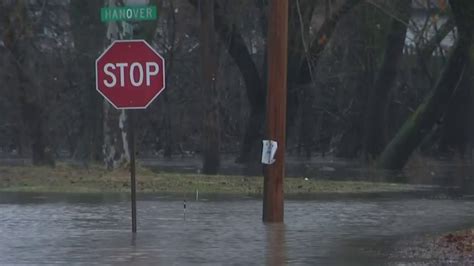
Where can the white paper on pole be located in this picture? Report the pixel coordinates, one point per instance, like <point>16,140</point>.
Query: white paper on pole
<point>269,151</point>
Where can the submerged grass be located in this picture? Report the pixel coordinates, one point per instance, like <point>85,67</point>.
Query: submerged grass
<point>67,178</point>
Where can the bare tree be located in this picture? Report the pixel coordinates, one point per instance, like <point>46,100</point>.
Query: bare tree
<point>410,135</point>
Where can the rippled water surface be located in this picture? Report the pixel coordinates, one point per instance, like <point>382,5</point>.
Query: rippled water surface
<point>88,229</point>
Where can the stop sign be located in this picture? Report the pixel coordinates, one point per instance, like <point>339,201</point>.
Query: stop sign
<point>130,74</point>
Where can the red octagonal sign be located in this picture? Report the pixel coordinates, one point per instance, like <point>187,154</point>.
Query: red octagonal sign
<point>130,74</point>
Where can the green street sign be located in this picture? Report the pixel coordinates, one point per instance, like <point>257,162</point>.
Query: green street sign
<point>108,14</point>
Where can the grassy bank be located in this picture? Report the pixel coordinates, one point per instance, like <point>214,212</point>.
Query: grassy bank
<point>66,178</point>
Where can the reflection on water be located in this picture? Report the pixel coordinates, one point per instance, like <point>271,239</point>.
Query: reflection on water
<point>276,245</point>
<point>96,229</point>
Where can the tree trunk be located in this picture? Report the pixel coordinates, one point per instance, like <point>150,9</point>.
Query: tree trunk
<point>303,74</point>
<point>18,39</point>
<point>167,114</point>
<point>211,134</point>
<point>398,151</point>
<point>300,16</point>
<point>375,116</point>
<point>255,88</point>
<point>359,52</point>
<point>87,31</point>
<point>455,125</point>
<point>468,120</point>
<point>115,149</point>
<point>33,117</point>
<point>324,35</point>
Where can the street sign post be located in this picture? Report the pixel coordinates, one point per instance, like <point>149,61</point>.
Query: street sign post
<point>130,74</point>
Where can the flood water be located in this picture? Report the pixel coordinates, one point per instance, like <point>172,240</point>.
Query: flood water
<point>95,229</point>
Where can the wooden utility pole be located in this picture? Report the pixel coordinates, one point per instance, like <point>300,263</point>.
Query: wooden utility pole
<point>277,42</point>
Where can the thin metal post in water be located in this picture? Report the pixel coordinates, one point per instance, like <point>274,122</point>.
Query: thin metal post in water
<point>276,109</point>
<point>131,122</point>
<point>184,209</point>
<point>128,34</point>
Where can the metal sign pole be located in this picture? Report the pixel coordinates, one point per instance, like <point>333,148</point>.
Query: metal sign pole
<point>131,121</point>
<point>128,30</point>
